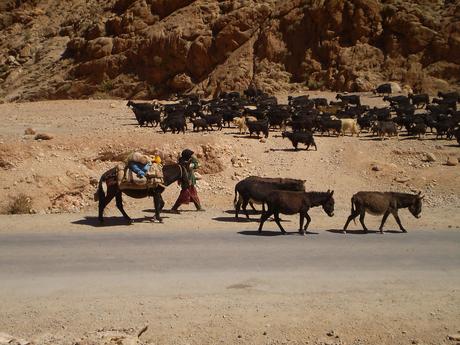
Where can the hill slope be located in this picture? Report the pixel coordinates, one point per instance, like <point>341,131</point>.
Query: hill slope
<point>153,48</point>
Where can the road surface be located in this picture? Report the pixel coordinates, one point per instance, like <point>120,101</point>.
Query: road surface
<point>226,283</point>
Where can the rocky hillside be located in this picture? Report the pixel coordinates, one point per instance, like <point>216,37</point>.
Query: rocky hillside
<point>153,48</point>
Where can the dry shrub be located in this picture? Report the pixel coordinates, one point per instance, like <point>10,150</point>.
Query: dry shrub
<point>5,164</point>
<point>20,204</point>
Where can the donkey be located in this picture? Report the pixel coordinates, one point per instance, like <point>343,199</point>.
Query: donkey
<point>378,203</point>
<point>255,189</point>
<point>171,172</point>
<point>287,202</point>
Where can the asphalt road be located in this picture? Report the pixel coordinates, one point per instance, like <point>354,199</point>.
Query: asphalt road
<point>60,274</point>
<point>164,259</point>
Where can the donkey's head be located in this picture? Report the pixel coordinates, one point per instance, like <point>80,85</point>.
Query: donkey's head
<point>328,203</point>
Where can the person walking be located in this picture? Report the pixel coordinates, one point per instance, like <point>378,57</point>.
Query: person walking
<point>188,191</point>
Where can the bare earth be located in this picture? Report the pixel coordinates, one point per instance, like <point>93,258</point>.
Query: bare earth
<point>201,278</point>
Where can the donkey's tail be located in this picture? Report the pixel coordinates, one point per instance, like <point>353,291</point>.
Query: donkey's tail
<point>234,199</point>
<point>99,194</point>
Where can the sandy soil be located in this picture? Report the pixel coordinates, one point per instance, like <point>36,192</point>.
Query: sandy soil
<point>59,175</point>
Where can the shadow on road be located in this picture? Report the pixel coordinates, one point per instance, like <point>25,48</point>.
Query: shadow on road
<point>250,212</point>
<point>362,232</point>
<point>242,218</point>
<point>351,232</point>
<point>273,233</point>
<point>264,233</point>
<point>111,221</point>
<point>235,220</point>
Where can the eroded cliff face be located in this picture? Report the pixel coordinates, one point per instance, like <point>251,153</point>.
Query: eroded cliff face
<point>153,48</point>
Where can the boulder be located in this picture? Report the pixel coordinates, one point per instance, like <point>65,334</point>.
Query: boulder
<point>43,136</point>
<point>181,82</point>
<point>454,337</point>
<point>430,157</point>
<point>452,161</point>
<point>402,179</point>
<point>29,131</point>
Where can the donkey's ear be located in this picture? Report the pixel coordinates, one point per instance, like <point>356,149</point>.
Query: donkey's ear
<point>328,191</point>
<point>331,192</point>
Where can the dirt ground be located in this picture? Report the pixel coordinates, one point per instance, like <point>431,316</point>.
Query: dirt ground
<point>60,176</point>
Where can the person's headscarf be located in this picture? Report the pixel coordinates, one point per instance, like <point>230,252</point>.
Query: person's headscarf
<point>185,156</point>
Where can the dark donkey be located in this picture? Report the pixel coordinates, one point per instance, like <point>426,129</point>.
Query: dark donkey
<point>255,189</point>
<point>287,202</point>
<point>378,203</point>
<point>171,172</point>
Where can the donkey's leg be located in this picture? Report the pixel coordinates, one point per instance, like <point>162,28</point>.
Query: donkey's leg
<point>352,216</point>
<point>278,222</point>
<point>361,219</point>
<point>307,216</point>
<point>157,200</point>
<point>162,202</point>
<point>237,206</point>
<point>104,201</point>
<point>244,207</point>
<point>395,214</point>
<point>384,219</point>
<point>263,218</point>
<point>119,202</point>
<point>301,216</point>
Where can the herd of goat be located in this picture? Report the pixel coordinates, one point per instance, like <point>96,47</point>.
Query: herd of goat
<point>256,112</point>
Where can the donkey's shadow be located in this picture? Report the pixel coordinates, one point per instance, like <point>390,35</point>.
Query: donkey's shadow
<point>112,221</point>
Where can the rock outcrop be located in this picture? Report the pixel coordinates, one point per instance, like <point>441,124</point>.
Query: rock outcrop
<point>155,48</point>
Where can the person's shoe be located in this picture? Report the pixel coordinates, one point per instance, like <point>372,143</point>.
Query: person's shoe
<point>174,211</point>
<point>200,209</point>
